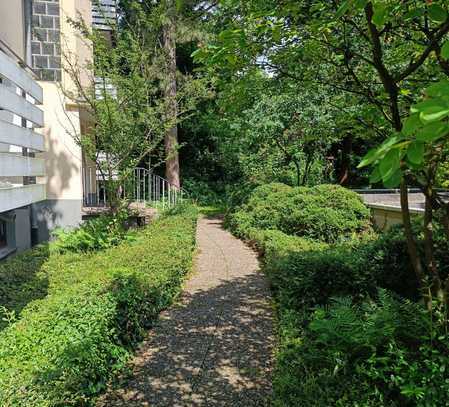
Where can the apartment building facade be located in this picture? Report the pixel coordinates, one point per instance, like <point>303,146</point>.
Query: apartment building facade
<point>41,165</point>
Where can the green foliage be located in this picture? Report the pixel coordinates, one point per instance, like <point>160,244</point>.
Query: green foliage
<point>378,352</point>
<point>370,348</point>
<point>201,192</point>
<point>95,234</point>
<point>421,144</point>
<point>327,212</point>
<point>62,348</point>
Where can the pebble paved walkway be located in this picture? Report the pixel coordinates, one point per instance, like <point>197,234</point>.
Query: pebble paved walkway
<point>214,348</point>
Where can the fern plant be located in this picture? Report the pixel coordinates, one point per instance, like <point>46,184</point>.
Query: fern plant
<point>359,329</point>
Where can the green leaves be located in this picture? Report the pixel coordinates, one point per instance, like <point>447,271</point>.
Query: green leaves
<point>411,124</point>
<point>347,5</point>
<point>387,160</point>
<point>434,114</point>
<point>427,125</point>
<point>344,7</point>
<point>369,158</point>
<point>394,180</point>
<point>390,164</point>
<point>380,14</point>
<point>431,132</point>
<point>375,176</point>
<point>437,13</point>
<point>445,50</point>
<point>415,152</point>
<point>436,107</point>
<point>439,89</point>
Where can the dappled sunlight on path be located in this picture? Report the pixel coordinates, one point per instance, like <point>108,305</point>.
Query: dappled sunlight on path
<point>214,348</point>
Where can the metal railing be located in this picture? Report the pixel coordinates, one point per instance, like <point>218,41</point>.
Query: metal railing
<point>144,187</point>
<point>104,14</point>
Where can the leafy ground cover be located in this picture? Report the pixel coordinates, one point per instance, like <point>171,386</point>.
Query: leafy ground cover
<point>98,233</point>
<point>90,311</point>
<point>352,330</point>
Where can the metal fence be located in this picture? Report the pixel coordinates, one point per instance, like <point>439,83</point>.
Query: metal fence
<point>143,187</point>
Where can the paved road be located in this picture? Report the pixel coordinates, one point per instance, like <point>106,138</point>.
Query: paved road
<point>214,348</point>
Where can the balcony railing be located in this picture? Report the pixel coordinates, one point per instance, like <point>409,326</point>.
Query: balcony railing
<point>104,14</point>
<point>13,197</point>
<point>19,117</point>
<point>103,88</point>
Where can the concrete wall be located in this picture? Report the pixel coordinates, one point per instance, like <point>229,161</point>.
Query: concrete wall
<point>386,217</point>
<point>55,213</point>
<point>63,162</point>
<point>63,124</point>
<point>12,27</point>
<point>23,228</point>
<point>63,157</point>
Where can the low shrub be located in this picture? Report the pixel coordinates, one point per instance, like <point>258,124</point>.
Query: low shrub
<point>99,233</point>
<point>305,273</point>
<point>328,213</point>
<point>264,209</point>
<point>63,347</point>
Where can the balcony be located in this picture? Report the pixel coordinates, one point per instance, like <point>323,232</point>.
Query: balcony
<point>103,88</point>
<point>104,14</point>
<point>19,142</point>
<point>16,196</point>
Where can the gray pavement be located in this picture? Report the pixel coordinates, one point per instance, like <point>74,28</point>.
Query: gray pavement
<point>215,346</point>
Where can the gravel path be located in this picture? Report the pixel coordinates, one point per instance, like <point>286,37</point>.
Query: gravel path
<point>214,348</point>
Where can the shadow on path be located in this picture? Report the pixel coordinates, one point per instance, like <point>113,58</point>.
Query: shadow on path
<point>215,347</point>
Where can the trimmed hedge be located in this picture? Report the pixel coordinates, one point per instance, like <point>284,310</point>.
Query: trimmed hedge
<point>329,213</point>
<point>67,344</point>
<point>345,338</point>
<point>370,348</point>
<point>351,329</point>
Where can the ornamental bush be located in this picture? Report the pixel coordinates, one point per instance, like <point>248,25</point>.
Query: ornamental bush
<point>64,345</point>
<point>328,213</point>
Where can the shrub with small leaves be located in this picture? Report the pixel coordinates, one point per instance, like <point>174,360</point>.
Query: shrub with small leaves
<point>62,347</point>
<point>329,213</point>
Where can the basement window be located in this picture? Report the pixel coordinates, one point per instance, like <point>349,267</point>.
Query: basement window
<point>7,234</point>
<point>3,231</point>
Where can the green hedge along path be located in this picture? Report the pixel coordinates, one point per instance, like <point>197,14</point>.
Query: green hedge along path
<point>214,348</point>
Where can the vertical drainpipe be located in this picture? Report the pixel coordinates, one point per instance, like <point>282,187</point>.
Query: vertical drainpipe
<point>28,18</point>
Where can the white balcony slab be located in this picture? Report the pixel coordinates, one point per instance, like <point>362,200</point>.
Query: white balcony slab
<point>14,165</point>
<point>21,136</point>
<point>20,106</point>
<point>14,72</point>
<point>21,195</point>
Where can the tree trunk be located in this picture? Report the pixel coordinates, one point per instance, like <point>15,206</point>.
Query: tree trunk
<point>428,245</point>
<point>172,171</point>
<point>345,165</point>
<point>411,242</point>
<point>298,172</point>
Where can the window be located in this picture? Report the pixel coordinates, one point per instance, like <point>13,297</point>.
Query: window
<point>3,228</point>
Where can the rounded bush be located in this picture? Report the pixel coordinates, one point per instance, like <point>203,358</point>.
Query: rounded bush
<point>327,213</point>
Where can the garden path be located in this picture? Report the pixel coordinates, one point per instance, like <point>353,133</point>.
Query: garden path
<point>215,346</point>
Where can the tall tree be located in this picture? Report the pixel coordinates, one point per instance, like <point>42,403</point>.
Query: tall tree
<point>172,171</point>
